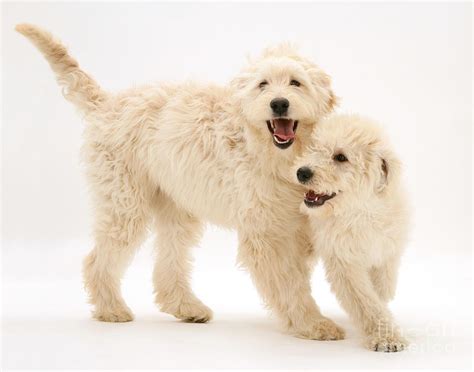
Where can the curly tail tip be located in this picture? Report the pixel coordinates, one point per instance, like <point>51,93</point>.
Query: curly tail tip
<point>26,28</point>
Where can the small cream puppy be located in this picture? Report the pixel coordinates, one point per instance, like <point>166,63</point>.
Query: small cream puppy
<point>359,218</point>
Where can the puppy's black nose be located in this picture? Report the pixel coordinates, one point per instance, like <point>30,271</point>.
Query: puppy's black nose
<point>304,174</point>
<point>280,106</point>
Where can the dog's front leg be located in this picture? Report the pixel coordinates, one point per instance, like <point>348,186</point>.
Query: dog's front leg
<point>282,276</point>
<point>354,289</point>
<point>384,278</point>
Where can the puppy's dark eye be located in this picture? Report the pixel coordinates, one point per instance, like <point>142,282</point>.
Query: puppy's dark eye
<point>262,84</point>
<point>296,83</point>
<point>341,158</point>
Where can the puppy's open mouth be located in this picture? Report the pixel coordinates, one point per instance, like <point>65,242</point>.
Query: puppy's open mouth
<point>311,199</point>
<point>283,131</point>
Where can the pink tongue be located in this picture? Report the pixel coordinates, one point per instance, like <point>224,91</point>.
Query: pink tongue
<point>284,129</point>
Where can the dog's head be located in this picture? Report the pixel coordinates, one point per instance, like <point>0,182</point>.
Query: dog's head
<point>282,96</point>
<point>349,162</point>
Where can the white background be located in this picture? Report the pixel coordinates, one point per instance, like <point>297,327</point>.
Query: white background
<point>407,65</point>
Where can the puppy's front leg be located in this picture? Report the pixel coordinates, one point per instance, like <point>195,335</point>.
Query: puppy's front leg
<point>384,278</point>
<point>282,277</point>
<point>354,290</point>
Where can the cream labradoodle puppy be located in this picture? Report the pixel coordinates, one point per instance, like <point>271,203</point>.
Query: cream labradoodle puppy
<point>359,220</point>
<point>173,156</point>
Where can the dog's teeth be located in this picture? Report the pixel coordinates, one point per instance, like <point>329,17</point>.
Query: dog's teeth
<point>280,141</point>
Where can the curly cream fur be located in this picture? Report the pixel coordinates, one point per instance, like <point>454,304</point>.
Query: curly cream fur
<point>172,156</point>
<point>361,232</point>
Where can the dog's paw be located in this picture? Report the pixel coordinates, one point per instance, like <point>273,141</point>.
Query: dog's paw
<point>117,315</point>
<point>323,329</point>
<point>192,312</point>
<point>388,344</point>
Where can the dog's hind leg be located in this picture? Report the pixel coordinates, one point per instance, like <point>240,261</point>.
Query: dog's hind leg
<point>384,279</point>
<point>177,232</point>
<point>121,203</point>
<point>117,237</point>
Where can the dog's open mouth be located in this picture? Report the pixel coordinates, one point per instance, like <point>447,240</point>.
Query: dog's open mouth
<point>311,199</point>
<point>283,131</point>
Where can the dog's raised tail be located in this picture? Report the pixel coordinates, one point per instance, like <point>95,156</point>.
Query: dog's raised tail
<point>78,87</point>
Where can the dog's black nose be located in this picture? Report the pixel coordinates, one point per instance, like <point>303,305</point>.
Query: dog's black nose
<point>304,174</point>
<point>280,106</point>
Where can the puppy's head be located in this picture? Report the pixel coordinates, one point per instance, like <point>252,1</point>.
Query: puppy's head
<point>282,96</point>
<point>349,163</point>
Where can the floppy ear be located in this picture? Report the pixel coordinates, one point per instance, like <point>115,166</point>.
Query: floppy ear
<point>241,81</point>
<point>389,170</point>
<point>321,82</point>
<point>332,102</point>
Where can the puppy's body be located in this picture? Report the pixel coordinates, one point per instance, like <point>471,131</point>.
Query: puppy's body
<point>174,156</point>
<point>369,233</point>
<point>361,230</point>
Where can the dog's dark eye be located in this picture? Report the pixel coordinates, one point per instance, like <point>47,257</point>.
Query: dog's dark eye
<point>341,158</point>
<point>262,84</point>
<point>296,83</point>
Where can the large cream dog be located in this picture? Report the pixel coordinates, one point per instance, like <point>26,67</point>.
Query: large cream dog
<point>359,218</point>
<point>175,155</point>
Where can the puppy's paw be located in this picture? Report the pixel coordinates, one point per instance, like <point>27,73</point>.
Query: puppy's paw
<point>192,312</point>
<point>323,329</point>
<point>388,343</point>
<point>118,315</point>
